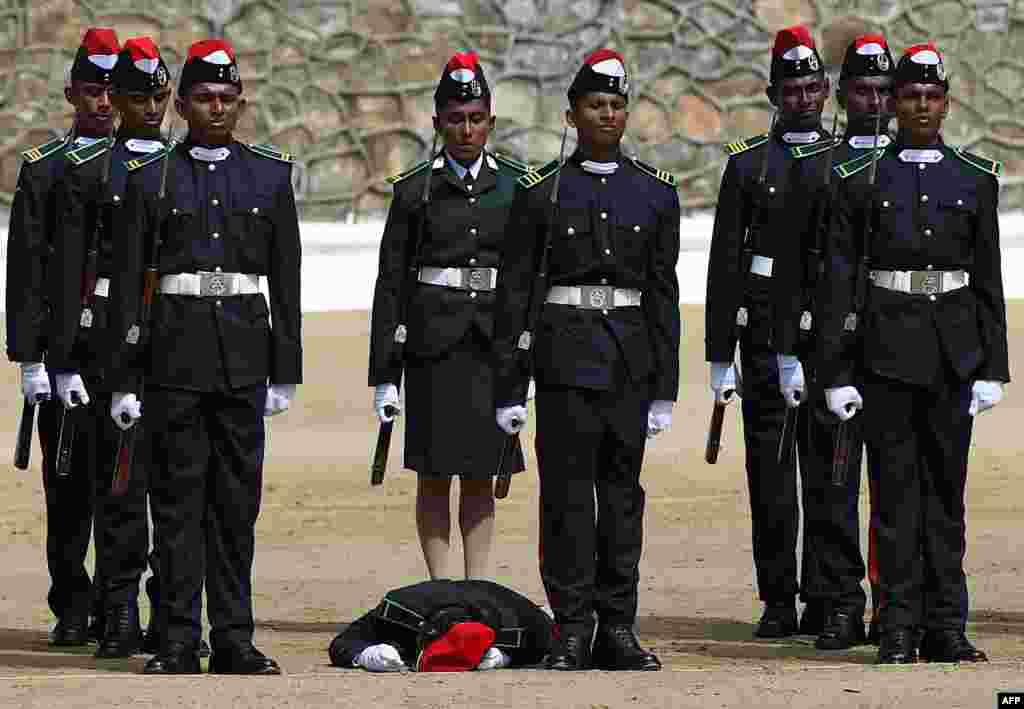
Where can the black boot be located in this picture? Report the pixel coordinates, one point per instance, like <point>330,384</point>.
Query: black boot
<point>843,629</point>
<point>812,620</point>
<point>242,659</point>
<point>70,631</point>
<point>897,647</point>
<point>616,647</point>
<point>174,658</point>
<point>949,646</point>
<point>777,621</point>
<point>122,635</point>
<point>572,650</point>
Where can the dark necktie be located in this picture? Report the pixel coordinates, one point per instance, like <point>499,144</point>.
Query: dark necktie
<point>467,180</point>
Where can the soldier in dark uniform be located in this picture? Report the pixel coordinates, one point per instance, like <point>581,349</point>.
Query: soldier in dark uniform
<point>605,355</point>
<point>759,207</point>
<point>412,628</point>
<point>930,319</point>
<point>34,228</point>
<point>448,317</point>
<point>228,219</point>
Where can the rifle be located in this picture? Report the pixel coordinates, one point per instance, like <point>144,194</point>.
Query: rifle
<point>380,452</point>
<point>844,436</point>
<point>503,477</point>
<point>714,440</point>
<point>150,284</point>
<point>23,448</point>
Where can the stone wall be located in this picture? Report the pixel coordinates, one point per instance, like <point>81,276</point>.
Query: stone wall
<point>346,85</point>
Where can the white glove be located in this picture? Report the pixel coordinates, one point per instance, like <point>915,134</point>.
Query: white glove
<point>125,409</point>
<point>511,419</point>
<point>68,384</point>
<point>380,658</point>
<point>723,381</point>
<point>791,380</point>
<point>659,417</point>
<point>531,390</point>
<point>386,395</point>
<point>844,402</point>
<point>985,395</point>
<point>494,659</point>
<point>279,398</point>
<point>35,382</point>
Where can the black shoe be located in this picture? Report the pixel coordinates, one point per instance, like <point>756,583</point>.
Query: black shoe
<point>812,621</point>
<point>843,629</point>
<point>874,630</point>
<point>777,621</point>
<point>97,626</point>
<point>897,647</point>
<point>949,646</point>
<point>151,643</point>
<point>616,647</point>
<point>174,659</point>
<point>70,632</point>
<point>242,660</point>
<point>122,636</point>
<point>571,651</point>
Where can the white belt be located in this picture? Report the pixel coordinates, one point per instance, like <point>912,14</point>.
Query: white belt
<point>464,278</point>
<point>594,297</point>
<point>920,282</point>
<point>102,288</point>
<point>762,265</point>
<point>210,283</point>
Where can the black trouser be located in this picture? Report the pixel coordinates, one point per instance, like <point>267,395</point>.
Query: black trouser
<point>591,441</point>
<point>207,470</point>
<point>920,440</point>
<point>69,507</point>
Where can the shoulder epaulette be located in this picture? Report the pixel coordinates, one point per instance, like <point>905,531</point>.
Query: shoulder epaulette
<point>852,167</point>
<point>408,173</point>
<point>992,167</point>
<point>805,151</point>
<point>535,177</point>
<point>41,151</point>
<point>742,146</point>
<point>269,151</point>
<point>511,162</point>
<point>82,155</point>
<point>667,177</point>
<point>135,163</point>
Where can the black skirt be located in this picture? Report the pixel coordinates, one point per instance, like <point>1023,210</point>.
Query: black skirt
<point>449,402</point>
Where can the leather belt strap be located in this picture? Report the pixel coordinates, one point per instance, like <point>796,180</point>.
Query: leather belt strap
<point>920,282</point>
<point>210,284</point>
<point>762,265</point>
<point>462,278</point>
<point>594,297</point>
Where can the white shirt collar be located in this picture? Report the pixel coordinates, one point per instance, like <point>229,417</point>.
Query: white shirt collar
<point>460,171</point>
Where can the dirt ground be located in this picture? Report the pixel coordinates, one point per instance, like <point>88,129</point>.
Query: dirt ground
<point>328,546</point>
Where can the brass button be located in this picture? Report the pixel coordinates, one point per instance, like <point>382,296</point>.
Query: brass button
<point>212,167</point>
<point>959,203</point>
<point>472,200</point>
<point>924,198</point>
<point>255,210</point>
<point>604,281</point>
<point>921,165</point>
<point>472,262</point>
<point>636,227</point>
<point>771,190</point>
<point>174,210</point>
<point>472,294</point>
<point>215,235</point>
<point>215,202</point>
<point>931,298</point>
<point>469,187</point>
<point>218,303</point>
<point>885,203</point>
<point>607,252</point>
<point>473,231</point>
<point>604,311</point>
<point>927,232</point>
<point>117,198</point>
<point>604,180</point>
<point>570,231</point>
<point>217,269</point>
<point>604,215</point>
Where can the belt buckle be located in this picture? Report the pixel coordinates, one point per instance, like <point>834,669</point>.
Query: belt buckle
<point>926,282</point>
<point>597,297</point>
<point>477,278</point>
<point>212,283</point>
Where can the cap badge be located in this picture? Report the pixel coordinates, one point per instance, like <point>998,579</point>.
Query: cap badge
<point>882,61</point>
<point>813,62</point>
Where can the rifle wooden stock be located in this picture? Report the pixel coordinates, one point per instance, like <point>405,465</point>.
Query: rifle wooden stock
<point>23,447</point>
<point>503,475</point>
<point>715,433</point>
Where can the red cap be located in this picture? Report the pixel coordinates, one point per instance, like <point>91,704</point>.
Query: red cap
<point>144,53</point>
<point>926,53</point>
<point>602,55</point>
<point>460,649</point>
<point>101,47</point>
<point>463,60</point>
<point>869,39</point>
<point>790,40</point>
<point>213,51</point>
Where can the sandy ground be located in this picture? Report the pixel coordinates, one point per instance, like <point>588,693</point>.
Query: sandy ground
<point>329,545</point>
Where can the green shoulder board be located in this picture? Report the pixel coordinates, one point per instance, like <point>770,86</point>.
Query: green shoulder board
<point>408,173</point>
<point>805,151</point>
<point>667,177</point>
<point>269,151</point>
<point>742,146</point>
<point>852,167</point>
<point>992,167</point>
<point>511,162</point>
<point>41,151</point>
<point>135,163</point>
<point>535,177</point>
<point>82,155</point>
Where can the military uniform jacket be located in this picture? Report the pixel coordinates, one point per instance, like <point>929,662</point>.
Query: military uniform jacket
<point>522,629</point>
<point>464,229</point>
<point>235,215</point>
<point>939,215</point>
<point>86,214</point>
<point>775,236</point>
<point>29,241</point>
<point>620,230</point>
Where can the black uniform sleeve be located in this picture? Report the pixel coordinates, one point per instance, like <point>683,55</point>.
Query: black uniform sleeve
<point>987,284</point>
<point>65,273</point>
<point>519,257</point>
<point>661,302</point>
<point>359,635</point>
<point>27,252</point>
<point>387,293</point>
<point>725,283</point>
<point>284,281</point>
